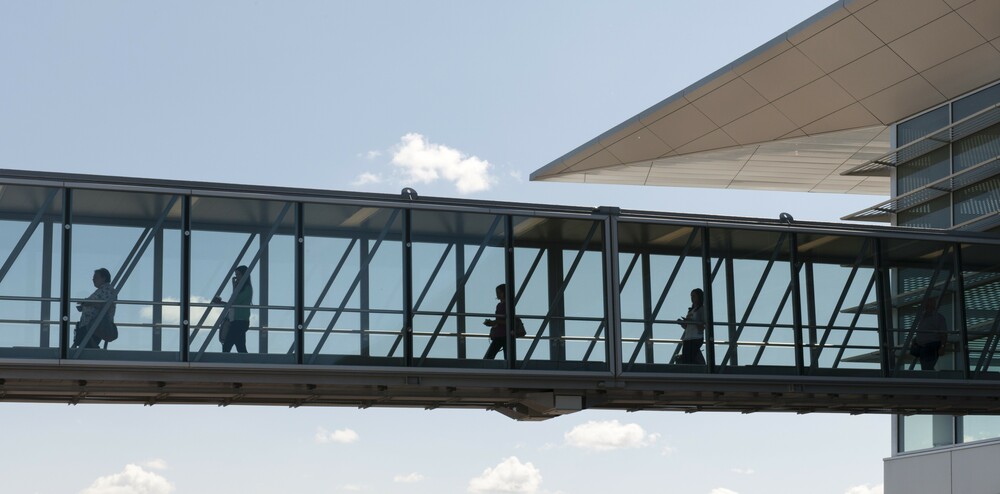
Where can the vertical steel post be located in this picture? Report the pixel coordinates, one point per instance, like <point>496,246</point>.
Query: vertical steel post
<point>45,314</point>
<point>612,293</point>
<point>65,279</point>
<point>510,353</point>
<point>300,283</point>
<point>811,312</point>
<point>364,297</point>
<point>733,349</point>
<point>460,326</point>
<point>157,333</point>
<point>884,299</point>
<point>185,335</point>
<point>557,312</point>
<point>706,280</point>
<point>263,291</point>
<point>647,308</point>
<point>407,287</point>
<point>963,327</point>
<point>793,261</point>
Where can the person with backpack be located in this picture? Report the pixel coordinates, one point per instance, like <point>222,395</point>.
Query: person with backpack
<point>498,326</point>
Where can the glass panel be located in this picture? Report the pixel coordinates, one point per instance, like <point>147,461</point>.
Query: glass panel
<point>977,200</point>
<point>30,256</point>
<point>840,309</point>
<point>977,148</point>
<point>660,267</point>
<point>979,427</point>
<point>926,431</point>
<point>349,319</point>
<point>975,102</point>
<point>931,214</point>
<point>981,278</point>
<point>458,263</point>
<point>126,248</point>
<point>242,258</point>
<point>753,330</point>
<point>918,127</point>
<point>923,283</point>
<point>560,287</point>
<point>922,170</point>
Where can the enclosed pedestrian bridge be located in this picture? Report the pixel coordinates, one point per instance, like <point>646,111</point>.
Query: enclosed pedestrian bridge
<point>380,300</point>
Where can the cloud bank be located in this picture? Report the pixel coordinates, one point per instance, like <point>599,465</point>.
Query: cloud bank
<point>608,436</point>
<point>509,476</point>
<point>132,480</point>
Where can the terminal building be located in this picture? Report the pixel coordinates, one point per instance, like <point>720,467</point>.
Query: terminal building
<point>351,299</point>
<point>892,97</point>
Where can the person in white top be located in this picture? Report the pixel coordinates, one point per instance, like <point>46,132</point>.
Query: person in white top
<point>694,330</point>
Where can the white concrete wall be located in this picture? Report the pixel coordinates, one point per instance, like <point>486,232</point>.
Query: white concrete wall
<point>963,469</point>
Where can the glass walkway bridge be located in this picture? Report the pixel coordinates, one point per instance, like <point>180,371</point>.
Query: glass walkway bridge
<point>380,300</point>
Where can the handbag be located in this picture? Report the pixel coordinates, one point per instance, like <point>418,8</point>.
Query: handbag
<point>223,330</point>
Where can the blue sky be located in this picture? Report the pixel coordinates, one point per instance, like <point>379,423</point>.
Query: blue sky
<point>460,99</point>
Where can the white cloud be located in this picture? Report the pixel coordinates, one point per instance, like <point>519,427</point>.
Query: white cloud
<point>156,464</point>
<point>722,490</point>
<point>744,471</point>
<point>408,479</point>
<point>172,313</point>
<point>516,175</point>
<point>341,436</point>
<point>609,435</point>
<point>132,480</point>
<point>367,178</point>
<point>353,488</point>
<point>509,476</point>
<point>425,162</point>
<point>865,489</point>
<point>370,155</point>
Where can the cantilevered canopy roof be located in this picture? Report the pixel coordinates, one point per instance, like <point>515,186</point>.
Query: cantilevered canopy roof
<point>797,112</point>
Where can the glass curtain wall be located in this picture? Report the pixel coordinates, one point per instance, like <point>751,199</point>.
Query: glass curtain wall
<point>753,300</point>
<point>558,263</point>
<point>660,266</point>
<point>31,237</point>
<point>839,291</point>
<point>458,265</point>
<point>353,284</point>
<point>242,280</point>
<point>133,239</point>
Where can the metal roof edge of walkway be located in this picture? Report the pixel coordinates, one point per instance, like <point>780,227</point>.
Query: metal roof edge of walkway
<point>57,179</point>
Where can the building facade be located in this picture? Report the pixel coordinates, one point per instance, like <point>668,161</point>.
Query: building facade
<point>873,96</point>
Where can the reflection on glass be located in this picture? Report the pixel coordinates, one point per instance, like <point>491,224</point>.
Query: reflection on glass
<point>134,238</point>
<point>838,294</point>
<point>660,266</point>
<point>458,261</point>
<point>353,285</point>
<point>256,238</point>
<point>923,284</point>
<point>926,431</point>
<point>30,245</point>
<point>558,266</point>
<point>981,283</point>
<point>754,328</point>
